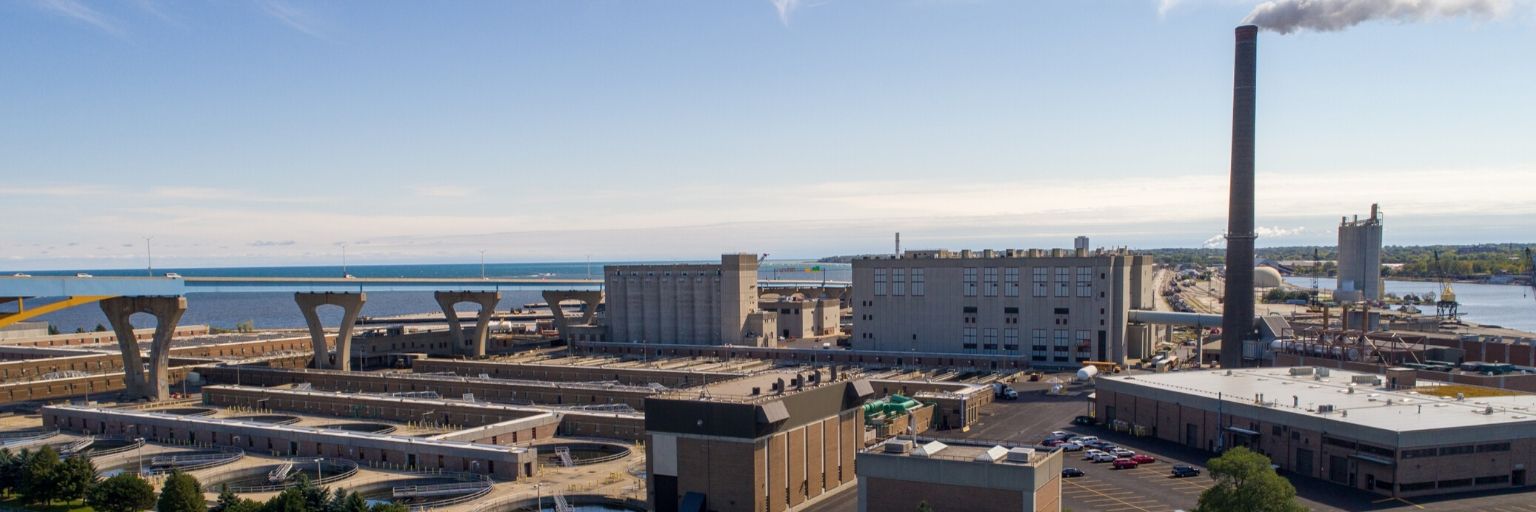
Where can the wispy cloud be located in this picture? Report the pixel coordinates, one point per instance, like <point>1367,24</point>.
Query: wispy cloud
<point>293,17</point>
<point>786,9</point>
<point>77,11</point>
<point>271,243</point>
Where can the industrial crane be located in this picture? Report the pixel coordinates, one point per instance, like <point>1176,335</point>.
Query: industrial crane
<point>1447,305</point>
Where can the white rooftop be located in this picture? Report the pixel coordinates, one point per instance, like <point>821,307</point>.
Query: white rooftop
<point>1367,406</point>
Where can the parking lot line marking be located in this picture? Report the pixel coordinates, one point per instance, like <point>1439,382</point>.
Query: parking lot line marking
<point>1129,504</point>
<point>1415,505</point>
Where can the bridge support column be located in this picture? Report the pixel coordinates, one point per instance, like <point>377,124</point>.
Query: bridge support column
<point>167,312</point>
<point>589,300</point>
<point>351,304</point>
<point>487,302</point>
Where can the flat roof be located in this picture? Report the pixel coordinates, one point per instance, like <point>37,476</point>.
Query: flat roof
<point>1367,406</point>
<point>960,450</point>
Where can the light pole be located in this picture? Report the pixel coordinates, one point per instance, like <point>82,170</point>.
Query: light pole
<point>149,260</point>
<point>538,500</point>
<point>319,469</point>
<point>482,264</point>
<point>344,260</point>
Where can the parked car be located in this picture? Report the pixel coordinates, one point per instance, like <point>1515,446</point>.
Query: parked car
<point>1181,471</point>
<point>1092,455</point>
<point>1060,434</point>
<point>1123,453</point>
<point>82,274</point>
<point>1071,446</point>
<point>1125,464</point>
<point>1143,458</point>
<point>172,275</point>
<point>1082,420</point>
<point>1104,457</point>
<point>1052,443</point>
<point>1071,472</point>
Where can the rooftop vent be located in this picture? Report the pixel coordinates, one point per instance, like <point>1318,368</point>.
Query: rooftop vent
<point>898,446</point>
<point>1022,455</point>
<point>992,454</point>
<point>929,449</point>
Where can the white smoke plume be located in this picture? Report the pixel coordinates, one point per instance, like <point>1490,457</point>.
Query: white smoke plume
<point>1286,16</point>
<point>1220,240</point>
<point>785,8</point>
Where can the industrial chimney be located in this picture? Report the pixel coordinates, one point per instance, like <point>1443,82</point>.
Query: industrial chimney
<point>1237,311</point>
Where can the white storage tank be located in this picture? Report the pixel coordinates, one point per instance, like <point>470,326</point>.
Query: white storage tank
<point>1087,372</point>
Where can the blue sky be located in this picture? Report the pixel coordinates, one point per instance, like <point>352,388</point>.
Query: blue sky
<point>271,132</point>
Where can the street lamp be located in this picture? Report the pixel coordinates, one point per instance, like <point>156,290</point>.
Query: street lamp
<point>149,260</point>
<point>482,264</point>
<point>140,440</point>
<point>319,469</point>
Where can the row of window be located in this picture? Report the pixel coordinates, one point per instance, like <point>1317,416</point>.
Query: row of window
<point>1455,450</point>
<point>1453,483</point>
<point>899,282</point>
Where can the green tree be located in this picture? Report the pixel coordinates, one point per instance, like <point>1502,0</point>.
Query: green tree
<point>101,328</point>
<point>290,500</point>
<point>1245,481</point>
<point>388,507</point>
<point>923,506</point>
<point>40,477</point>
<point>75,476</point>
<point>10,469</point>
<point>181,493</point>
<point>53,329</point>
<point>125,492</point>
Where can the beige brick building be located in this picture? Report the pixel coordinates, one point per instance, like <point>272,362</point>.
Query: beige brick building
<point>1056,307</point>
<point>773,442</point>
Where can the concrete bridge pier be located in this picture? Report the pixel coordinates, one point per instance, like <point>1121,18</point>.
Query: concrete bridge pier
<point>351,304</point>
<point>167,311</point>
<point>487,302</point>
<point>589,300</point>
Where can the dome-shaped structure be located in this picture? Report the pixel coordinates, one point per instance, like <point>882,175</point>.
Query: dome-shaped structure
<point>1266,277</point>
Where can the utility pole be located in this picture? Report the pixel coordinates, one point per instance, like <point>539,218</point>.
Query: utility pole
<point>149,260</point>
<point>344,260</point>
<point>482,264</point>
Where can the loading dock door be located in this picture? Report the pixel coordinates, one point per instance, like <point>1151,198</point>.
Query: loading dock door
<point>1304,464</point>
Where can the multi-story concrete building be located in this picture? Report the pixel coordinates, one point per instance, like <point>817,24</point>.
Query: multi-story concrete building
<point>697,304</point>
<point>1360,258</point>
<point>1057,307</point>
<point>898,474</point>
<point>1377,433</point>
<point>802,318</point>
<point>772,442</point>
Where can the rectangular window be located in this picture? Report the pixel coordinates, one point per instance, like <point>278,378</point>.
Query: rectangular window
<point>1084,343</point>
<point>1084,282</point>
<point>968,337</point>
<point>917,282</point>
<point>989,338</point>
<point>970,282</point>
<point>879,281</point>
<point>1063,340</point>
<point>1039,279</point>
<point>1063,282</point>
<point>1011,282</point>
<point>1037,337</point>
<point>898,281</point>
<point>989,277</point>
<point>1011,339</point>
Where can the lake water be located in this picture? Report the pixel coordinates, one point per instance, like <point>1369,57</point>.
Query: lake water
<point>1490,304</point>
<point>276,309</point>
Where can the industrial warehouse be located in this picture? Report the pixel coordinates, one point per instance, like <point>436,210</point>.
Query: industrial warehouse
<point>1376,433</point>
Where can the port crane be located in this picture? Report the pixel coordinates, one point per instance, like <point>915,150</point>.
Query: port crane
<point>1446,307</point>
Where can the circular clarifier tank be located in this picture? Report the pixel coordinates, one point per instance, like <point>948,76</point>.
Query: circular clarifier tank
<point>285,474</point>
<point>582,452</point>
<point>366,428</point>
<point>274,419</point>
<point>427,492</point>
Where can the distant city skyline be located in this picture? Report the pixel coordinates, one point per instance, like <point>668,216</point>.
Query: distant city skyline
<point>272,132</point>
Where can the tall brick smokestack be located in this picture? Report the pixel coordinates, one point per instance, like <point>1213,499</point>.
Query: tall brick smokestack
<point>1237,310</point>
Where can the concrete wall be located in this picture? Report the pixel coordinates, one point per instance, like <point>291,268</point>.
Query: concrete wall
<point>501,463</point>
<point>568,373</point>
<point>99,337</point>
<point>493,390</point>
<point>900,482</point>
<point>703,304</point>
<point>928,360</point>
